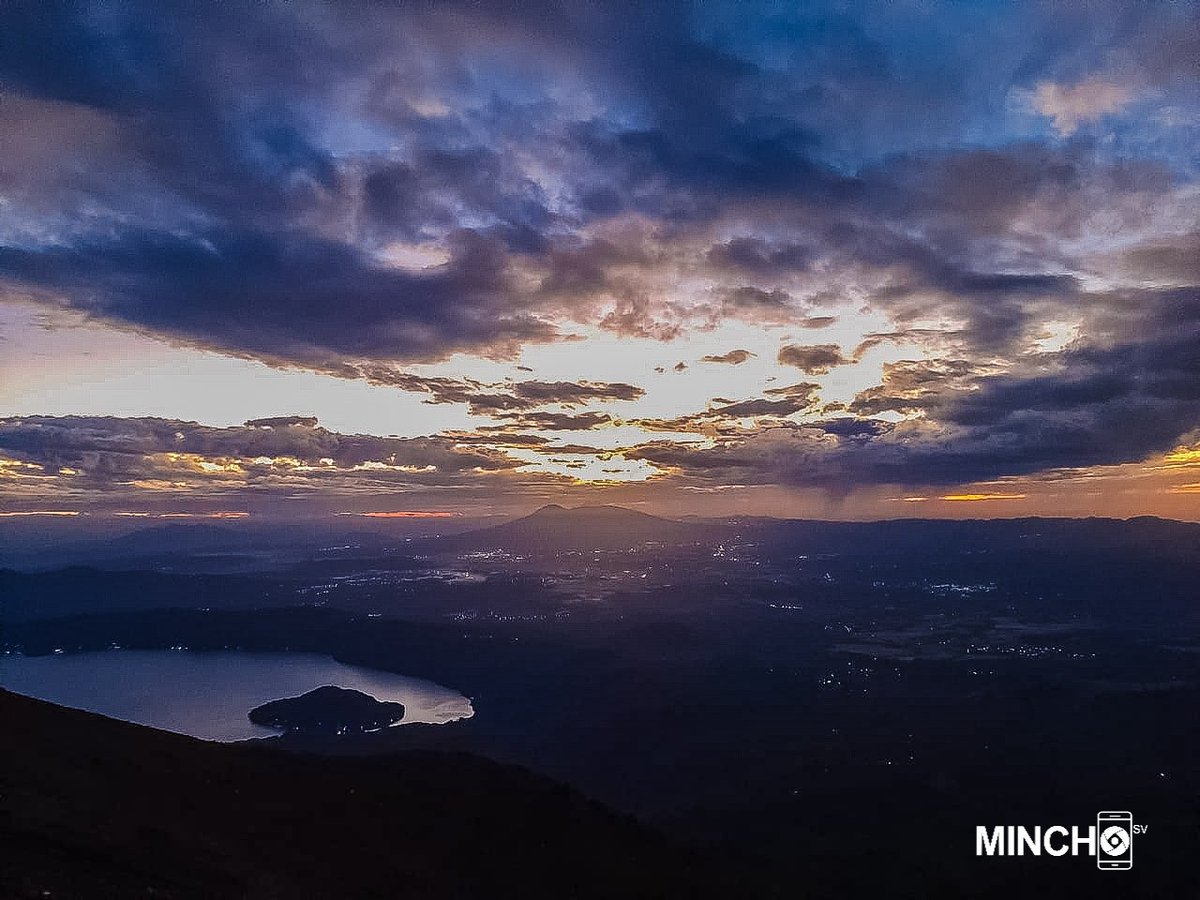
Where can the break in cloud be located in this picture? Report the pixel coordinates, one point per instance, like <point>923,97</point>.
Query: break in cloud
<point>974,228</point>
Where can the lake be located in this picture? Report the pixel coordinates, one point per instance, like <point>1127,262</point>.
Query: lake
<point>208,694</point>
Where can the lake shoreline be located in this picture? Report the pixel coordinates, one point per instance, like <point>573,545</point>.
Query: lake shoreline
<point>208,694</point>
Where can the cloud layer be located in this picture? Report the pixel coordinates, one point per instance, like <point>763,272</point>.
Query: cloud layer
<point>982,250</point>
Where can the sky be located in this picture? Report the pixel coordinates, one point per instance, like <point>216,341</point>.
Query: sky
<point>834,260</point>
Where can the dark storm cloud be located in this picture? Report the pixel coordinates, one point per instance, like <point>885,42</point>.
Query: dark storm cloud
<point>1086,406</point>
<point>352,188</point>
<point>215,123</point>
<point>422,197</point>
<point>753,303</point>
<point>248,291</point>
<point>589,269</point>
<point>1174,258</point>
<point>674,177</point>
<point>207,109</point>
<point>1121,402</point>
<point>749,254</point>
<point>947,274</point>
<point>222,142</point>
<point>223,124</point>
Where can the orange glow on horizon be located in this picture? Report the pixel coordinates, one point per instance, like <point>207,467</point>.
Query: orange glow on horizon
<point>1186,455</point>
<point>403,514</point>
<point>972,498</point>
<point>40,512</point>
<point>225,514</point>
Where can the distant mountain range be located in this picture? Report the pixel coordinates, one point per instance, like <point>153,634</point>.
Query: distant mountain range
<point>204,546</point>
<point>556,528</point>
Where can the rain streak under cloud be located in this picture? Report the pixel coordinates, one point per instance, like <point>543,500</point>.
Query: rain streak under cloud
<point>852,260</point>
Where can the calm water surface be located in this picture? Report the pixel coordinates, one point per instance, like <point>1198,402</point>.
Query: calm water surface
<point>208,695</point>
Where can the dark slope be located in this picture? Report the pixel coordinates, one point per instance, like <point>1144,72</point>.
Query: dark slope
<point>943,536</point>
<point>143,545</point>
<point>96,808</point>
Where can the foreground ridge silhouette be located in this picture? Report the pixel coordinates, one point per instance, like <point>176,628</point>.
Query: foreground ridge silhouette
<point>92,807</point>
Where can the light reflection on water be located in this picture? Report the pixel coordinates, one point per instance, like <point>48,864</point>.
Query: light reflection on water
<point>208,694</point>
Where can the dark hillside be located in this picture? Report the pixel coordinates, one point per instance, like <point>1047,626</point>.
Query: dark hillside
<point>97,808</point>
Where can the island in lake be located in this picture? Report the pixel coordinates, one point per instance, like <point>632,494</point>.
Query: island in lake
<point>328,710</point>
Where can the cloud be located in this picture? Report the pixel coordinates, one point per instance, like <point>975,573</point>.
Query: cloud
<point>572,393</point>
<point>733,357</point>
<point>754,255</point>
<point>286,296</point>
<point>815,321</point>
<point>494,397</point>
<point>283,422</point>
<point>641,317</point>
<point>362,190</point>
<point>263,234</point>
<point>911,386</point>
<point>1133,397</point>
<point>544,421</point>
<point>816,359</point>
<point>805,390</point>
<point>1174,258</point>
<point>754,408</point>
<point>104,444</point>
<point>102,462</point>
<point>1137,397</point>
<point>1070,106</point>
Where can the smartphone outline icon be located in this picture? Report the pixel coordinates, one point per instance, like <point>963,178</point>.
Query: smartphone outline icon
<point>1107,819</point>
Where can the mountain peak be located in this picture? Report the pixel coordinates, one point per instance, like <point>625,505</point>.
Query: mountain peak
<point>555,527</point>
<point>588,512</point>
